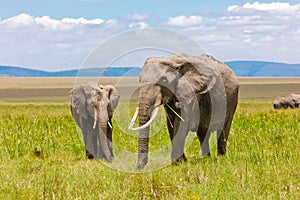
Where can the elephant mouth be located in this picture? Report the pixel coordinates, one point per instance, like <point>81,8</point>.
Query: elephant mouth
<point>163,97</point>
<point>153,116</point>
<point>95,123</point>
<point>95,120</point>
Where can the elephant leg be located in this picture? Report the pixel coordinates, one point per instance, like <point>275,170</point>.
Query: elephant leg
<point>87,152</point>
<point>90,145</point>
<point>89,141</point>
<point>223,137</point>
<point>292,104</point>
<point>93,144</point>
<point>170,121</point>
<point>178,140</point>
<point>221,142</point>
<point>203,136</point>
<point>179,156</point>
<point>100,153</point>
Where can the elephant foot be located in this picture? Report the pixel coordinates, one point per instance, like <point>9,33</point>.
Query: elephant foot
<point>110,159</point>
<point>140,166</point>
<point>221,153</point>
<point>206,155</point>
<point>112,154</point>
<point>221,148</point>
<point>142,160</point>
<point>89,155</point>
<point>205,150</point>
<point>179,160</point>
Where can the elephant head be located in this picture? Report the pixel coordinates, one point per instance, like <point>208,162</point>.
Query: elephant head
<point>289,101</point>
<point>179,77</point>
<point>92,108</point>
<point>282,102</point>
<point>175,81</point>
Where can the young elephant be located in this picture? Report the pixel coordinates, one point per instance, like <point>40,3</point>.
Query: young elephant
<point>92,108</point>
<point>289,101</point>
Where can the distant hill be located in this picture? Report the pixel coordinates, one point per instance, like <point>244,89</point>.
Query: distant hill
<point>20,72</point>
<point>265,69</point>
<point>7,71</point>
<point>241,68</point>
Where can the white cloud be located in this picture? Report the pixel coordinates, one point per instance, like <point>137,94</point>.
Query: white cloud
<point>238,20</point>
<point>138,25</point>
<point>184,21</point>
<point>49,43</point>
<point>267,38</point>
<point>51,24</point>
<point>256,31</point>
<point>19,20</point>
<point>260,31</point>
<point>82,21</point>
<point>273,6</point>
<point>268,6</point>
<point>47,22</point>
<point>248,40</point>
<point>113,25</point>
<point>233,8</point>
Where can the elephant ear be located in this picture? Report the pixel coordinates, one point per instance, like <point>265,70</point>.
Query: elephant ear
<point>113,96</point>
<point>198,76</point>
<point>78,103</point>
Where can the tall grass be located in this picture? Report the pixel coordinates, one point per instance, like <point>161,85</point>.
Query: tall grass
<point>42,157</point>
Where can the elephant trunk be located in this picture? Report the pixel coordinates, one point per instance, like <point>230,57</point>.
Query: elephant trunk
<point>149,97</point>
<point>103,120</point>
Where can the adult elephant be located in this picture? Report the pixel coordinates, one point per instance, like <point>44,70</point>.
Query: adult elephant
<point>289,101</point>
<point>199,94</point>
<point>92,108</point>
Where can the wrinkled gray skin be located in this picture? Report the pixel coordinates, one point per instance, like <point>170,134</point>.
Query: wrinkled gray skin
<point>289,101</point>
<point>89,103</point>
<point>190,85</point>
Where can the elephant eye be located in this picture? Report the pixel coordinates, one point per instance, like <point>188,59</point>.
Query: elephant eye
<point>163,79</point>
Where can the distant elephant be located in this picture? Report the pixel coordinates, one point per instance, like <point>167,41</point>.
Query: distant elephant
<point>199,94</point>
<point>289,101</point>
<point>92,108</point>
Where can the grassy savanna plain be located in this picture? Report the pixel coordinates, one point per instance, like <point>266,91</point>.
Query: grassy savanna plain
<point>42,154</point>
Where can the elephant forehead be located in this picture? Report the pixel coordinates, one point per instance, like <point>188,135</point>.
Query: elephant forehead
<point>153,60</point>
<point>152,72</point>
<point>277,100</point>
<point>101,95</point>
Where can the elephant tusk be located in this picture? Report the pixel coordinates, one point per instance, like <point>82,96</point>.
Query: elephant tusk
<point>155,112</point>
<point>95,122</point>
<point>110,126</point>
<point>95,119</point>
<point>175,112</point>
<point>133,118</point>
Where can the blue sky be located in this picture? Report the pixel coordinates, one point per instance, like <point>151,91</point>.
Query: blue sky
<point>54,35</point>
<point>112,9</point>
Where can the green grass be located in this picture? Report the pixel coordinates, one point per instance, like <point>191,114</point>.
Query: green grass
<point>42,157</point>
